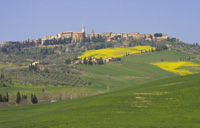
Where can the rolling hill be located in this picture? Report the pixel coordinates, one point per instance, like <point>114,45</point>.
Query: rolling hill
<point>172,102</point>
<point>130,71</point>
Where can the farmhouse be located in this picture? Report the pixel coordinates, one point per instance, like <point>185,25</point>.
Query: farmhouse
<point>95,60</point>
<point>110,59</point>
<point>35,63</point>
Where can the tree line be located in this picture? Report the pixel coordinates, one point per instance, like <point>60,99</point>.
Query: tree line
<point>19,98</point>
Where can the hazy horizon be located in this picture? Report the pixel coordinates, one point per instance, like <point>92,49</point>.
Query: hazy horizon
<point>22,20</point>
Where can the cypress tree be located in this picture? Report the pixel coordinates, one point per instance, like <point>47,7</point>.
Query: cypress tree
<point>100,61</point>
<point>152,50</point>
<point>31,97</point>
<point>34,99</point>
<point>18,99</point>
<point>7,97</point>
<point>90,61</point>
<point>1,99</point>
<point>85,61</point>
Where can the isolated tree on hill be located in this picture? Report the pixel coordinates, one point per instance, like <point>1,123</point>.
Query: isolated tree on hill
<point>18,99</point>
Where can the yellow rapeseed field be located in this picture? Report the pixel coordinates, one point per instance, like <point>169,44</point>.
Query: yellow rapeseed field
<point>114,52</point>
<point>181,68</point>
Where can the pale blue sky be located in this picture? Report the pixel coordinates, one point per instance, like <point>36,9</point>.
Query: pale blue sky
<point>29,19</point>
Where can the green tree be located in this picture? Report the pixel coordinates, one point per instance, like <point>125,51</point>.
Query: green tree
<point>18,99</point>
<point>34,99</point>
<point>152,50</point>
<point>90,62</point>
<point>68,61</point>
<point>1,99</point>
<point>24,97</point>
<point>158,34</point>
<point>118,59</point>
<point>100,61</point>
<point>6,97</point>
<point>85,61</point>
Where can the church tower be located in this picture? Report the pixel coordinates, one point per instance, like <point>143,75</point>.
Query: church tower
<point>83,28</point>
<point>92,31</point>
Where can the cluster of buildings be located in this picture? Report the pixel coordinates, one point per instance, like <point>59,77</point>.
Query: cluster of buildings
<point>108,36</point>
<point>75,37</point>
<point>95,60</point>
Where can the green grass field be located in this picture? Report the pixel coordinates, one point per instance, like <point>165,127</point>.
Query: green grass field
<point>168,103</point>
<point>138,95</point>
<point>131,71</point>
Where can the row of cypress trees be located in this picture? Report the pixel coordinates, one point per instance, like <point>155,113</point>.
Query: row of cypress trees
<point>34,99</point>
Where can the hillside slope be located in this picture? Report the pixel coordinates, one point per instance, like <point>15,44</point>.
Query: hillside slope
<point>132,70</point>
<point>168,103</point>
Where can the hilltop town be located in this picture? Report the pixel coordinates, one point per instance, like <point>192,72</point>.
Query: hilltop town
<point>79,37</point>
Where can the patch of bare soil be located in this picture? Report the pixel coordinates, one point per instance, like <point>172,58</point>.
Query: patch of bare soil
<point>6,104</point>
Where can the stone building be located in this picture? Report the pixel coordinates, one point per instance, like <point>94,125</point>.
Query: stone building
<point>65,35</point>
<point>4,43</point>
<point>79,36</point>
<point>106,34</point>
<point>136,35</point>
<point>92,34</point>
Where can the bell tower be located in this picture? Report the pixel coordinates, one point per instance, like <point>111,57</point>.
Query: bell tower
<point>92,31</point>
<point>83,28</point>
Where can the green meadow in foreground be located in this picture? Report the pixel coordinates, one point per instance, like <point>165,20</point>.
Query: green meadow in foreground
<point>168,103</point>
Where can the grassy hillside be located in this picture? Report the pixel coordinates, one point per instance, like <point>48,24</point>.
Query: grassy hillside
<point>168,103</point>
<point>132,70</point>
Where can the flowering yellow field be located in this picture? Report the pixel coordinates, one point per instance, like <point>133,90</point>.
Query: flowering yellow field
<point>181,68</point>
<point>114,52</point>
